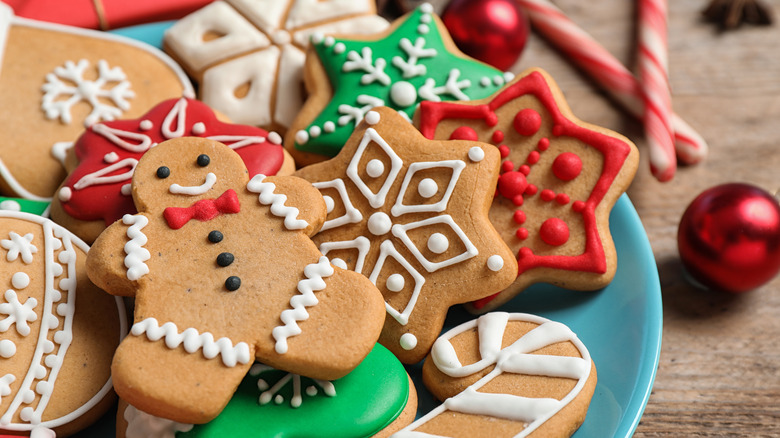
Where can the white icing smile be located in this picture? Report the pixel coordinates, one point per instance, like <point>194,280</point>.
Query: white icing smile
<point>194,190</point>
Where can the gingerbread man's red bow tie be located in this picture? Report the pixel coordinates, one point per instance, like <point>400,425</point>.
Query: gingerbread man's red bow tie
<point>203,210</point>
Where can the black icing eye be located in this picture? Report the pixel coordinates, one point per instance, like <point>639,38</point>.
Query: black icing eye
<point>203,160</point>
<point>163,172</point>
<point>232,283</point>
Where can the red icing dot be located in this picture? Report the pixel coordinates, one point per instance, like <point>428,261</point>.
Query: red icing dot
<point>547,195</point>
<point>524,169</point>
<point>503,150</point>
<point>543,144</point>
<point>567,166</point>
<point>507,166</point>
<point>518,217</point>
<point>554,232</point>
<point>464,133</point>
<point>578,206</point>
<point>498,136</point>
<point>511,185</point>
<point>531,190</point>
<point>562,198</point>
<point>521,233</point>
<point>527,122</point>
<point>533,157</point>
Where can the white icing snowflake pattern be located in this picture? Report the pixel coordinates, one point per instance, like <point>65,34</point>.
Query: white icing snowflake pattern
<point>18,313</point>
<point>66,87</point>
<point>19,245</point>
<point>5,385</point>
<point>271,393</point>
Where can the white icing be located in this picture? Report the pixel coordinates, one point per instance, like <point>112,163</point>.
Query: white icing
<point>414,52</point>
<point>387,249</point>
<point>371,136</point>
<point>400,231</point>
<point>495,262</point>
<point>7,350</point>
<point>375,168</point>
<point>199,128</point>
<point>427,188</point>
<point>126,189</point>
<point>237,141</point>
<point>476,154</point>
<point>18,313</point>
<point>143,425</point>
<point>5,385</point>
<point>128,140</point>
<point>59,150</point>
<point>193,341</point>
<point>315,131</point>
<point>276,201</point>
<point>379,224</point>
<point>395,283</point>
<point>135,253</point>
<point>64,194</point>
<point>211,179</point>
<point>351,215</point>
<point>99,176</point>
<point>20,280</point>
<point>272,392</point>
<point>375,70</point>
<point>339,263</point>
<point>438,243</point>
<point>329,203</point>
<point>145,125</point>
<point>400,208</point>
<point>19,246</point>
<point>111,157</point>
<point>314,281</point>
<point>360,243</point>
<point>10,205</point>
<point>408,341</point>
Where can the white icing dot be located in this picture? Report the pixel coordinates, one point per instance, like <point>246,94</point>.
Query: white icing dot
<point>10,205</point>
<point>426,8</point>
<point>7,348</point>
<point>52,361</point>
<point>278,399</point>
<point>301,137</point>
<point>48,346</point>
<point>423,29</point>
<point>146,125</point>
<point>375,168</point>
<point>126,189</point>
<point>111,157</point>
<point>425,19</point>
<point>498,80</point>
<point>403,94</point>
<point>339,263</point>
<point>329,203</point>
<point>67,284</point>
<point>372,117</point>
<point>274,137</point>
<point>339,48</point>
<point>42,387</point>
<point>62,337</point>
<point>262,385</point>
<point>311,391</point>
<point>62,309</point>
<point>56,270</point>
<point>328,126</point>
<point>27,395</point>
<point>53,321</point>
<point>427,188</point>
<point>20,280</point>
<point>66,257</point>
<point>199,128</point>
<point>315,131</point>
<point>395,282</point>
<point>39,371</point>
<point>508,76</point>
<point>329,41</point>
<point>379,223</point>
<point>476,154</point>
<point>281,37</point>
<point>26,414</point>
<point>438,243</point>
<point>408,341</point>
<point>65,194</point>
<point>485,81</point>
<point>495,262</point>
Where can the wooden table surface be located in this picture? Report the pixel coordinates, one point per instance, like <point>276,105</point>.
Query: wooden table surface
<point>719,372</point>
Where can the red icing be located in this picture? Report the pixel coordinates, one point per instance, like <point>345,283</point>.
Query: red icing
<point>562,198</point>
<point>464,133</point>
<point>507,166</point>
<point>203,210</point>
<point>554,231</point>
<point>547,195</point>
<point>524,169</point>
<point>521,233</point>
<point>531,190</point>
<point>105,202</point>
<point>544,144</point>
<point>498,136</point>
<point>503,150</point>
<point>527,122</point>
<point>511,185</point>
<point>518,217</point>
<point>567,166</point>
<point>533,158</point>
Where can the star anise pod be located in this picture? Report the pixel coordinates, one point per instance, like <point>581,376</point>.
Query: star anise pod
<point>729,14</point>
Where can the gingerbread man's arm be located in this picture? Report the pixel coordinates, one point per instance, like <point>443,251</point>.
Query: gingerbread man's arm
<point>117,258</point>
<point>301,202</point>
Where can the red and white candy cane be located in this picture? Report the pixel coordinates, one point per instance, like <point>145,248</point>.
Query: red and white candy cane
<point>604,68</point>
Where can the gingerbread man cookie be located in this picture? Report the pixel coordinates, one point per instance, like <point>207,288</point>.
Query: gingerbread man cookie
<point>223,272</point>
<point>411,214</point>
<point>560,179</point>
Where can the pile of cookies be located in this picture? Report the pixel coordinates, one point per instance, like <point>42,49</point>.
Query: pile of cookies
<point>267,254</point>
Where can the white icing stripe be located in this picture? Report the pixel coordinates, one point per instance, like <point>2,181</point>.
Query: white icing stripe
<point>177,114</point>
<point>276,201</point>
<point>314,281</point>
<point>193,341</point>
<point>20,191</point>
<point>98,177</point>
<point>237,141</point>
<point>541,365</point>
<point>135,252</point>
<point>119,138</point>
<point>510,407</point>
<point>360,243</point>
<point>387,249</point>
<point>211,179</point>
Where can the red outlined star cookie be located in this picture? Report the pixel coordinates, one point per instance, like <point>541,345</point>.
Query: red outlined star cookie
<point>560,178</point>
<point>411,214</point>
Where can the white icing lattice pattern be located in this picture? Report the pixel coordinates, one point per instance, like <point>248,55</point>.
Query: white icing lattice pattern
<point>272,393</point>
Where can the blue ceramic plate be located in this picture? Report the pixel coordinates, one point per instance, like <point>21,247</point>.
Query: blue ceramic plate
<point>620,324</point>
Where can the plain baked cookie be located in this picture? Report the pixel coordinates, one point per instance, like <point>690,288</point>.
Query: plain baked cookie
<point>55,80</point>
<point>248,55</point>
<point>223,271</point>
<point>96,192</point>
<point>411,215</point>
<point>270,403</point>
<point>58,331</point>
<point>560,178</point>
<point>507,375</point>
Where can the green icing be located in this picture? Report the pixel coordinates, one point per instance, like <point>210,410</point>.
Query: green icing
<point>358,90</point>
<point>25,205</point>
<point>367,399</point>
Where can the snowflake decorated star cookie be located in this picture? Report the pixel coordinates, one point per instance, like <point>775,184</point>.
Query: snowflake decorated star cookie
<point>559,179</point>
<point>223,272</point>
<point>57,80</point>
<point>413,61</point>
<point>411,215</point>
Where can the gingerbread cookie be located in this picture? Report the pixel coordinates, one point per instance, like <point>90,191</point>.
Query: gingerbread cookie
<point>97,190</point>
<point>413,61</point>
<point>560,179</point>
<point>411,215</point>
<point>507,374</point>
<point>223,271</point>
<point>55,80</point>
<point>41,208</point>
<point>248,55</point>
<point>57,330</point>
<point>271,403</point>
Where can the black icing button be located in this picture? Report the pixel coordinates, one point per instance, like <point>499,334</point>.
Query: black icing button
<point>163,172</point>
<point>203,160</point>
<point>225,259</point>
<point>232,283</point>
<point>215,237</point>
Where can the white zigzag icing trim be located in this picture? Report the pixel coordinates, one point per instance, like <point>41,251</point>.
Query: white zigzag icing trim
<point>314,281</point>
<point>194,341</point>
<point>135,252</point>
<point>276,201</point>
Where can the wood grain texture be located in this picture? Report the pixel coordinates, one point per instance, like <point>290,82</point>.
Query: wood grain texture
<point>719,372</point>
